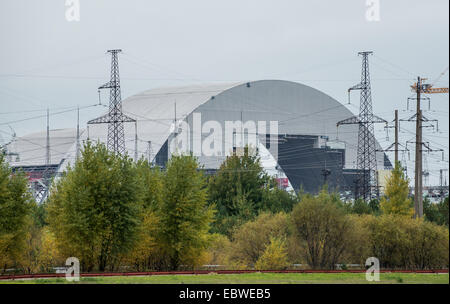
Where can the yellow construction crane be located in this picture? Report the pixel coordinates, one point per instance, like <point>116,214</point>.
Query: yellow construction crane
<point>429,88</point>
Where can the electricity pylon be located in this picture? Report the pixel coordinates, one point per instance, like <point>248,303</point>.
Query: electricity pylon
<point>115,118</point>
<point>366,155</point>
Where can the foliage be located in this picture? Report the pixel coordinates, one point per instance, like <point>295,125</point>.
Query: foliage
<point>49,255</point>
<point>30,258</point>
<point>250,240</point>
<point>374,205</point>
<point>361,207</point>
<point>113,213</point>
<point>237,191</point>
<point>428,247</point>
<point>397,200</point>
<point>324,227</point>
<point>94,209</point>
<point>184,215</point>
<point>431,211</point>
<point>276,200</point>
<point>146,255</point>
<point>274,257</point>
<point>218,250</point>
<point>443,211</point>
<point>152,185</point>
<point>402,242</point>
<point>15,209</point>
<point>436,212</point>
<point>358,248</point>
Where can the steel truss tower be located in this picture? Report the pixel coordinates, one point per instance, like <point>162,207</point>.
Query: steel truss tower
<point>115,118</point>
<point>366,183</point>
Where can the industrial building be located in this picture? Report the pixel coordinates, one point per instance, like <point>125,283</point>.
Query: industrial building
<point>291,125</point>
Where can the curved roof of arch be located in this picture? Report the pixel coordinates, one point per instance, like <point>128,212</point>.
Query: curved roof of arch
<point>300,109</point>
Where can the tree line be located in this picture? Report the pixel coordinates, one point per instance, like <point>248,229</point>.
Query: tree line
<point>115,214</point>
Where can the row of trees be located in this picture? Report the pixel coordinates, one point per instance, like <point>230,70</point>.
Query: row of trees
<point>319,233</point>
<point>116,214</point>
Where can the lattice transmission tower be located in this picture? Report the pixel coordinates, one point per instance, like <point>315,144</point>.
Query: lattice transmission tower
<point>114,118</point>
<point>366,182</point>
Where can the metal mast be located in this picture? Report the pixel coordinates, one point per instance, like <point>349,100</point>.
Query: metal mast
<point>395,147</point>
<point>47,146</point>
<point>149,153</point>
<point>418,195</point>
<point>421,88</point>
<point>78,133</point>
<point>366,156</point>
<point>115,118</point>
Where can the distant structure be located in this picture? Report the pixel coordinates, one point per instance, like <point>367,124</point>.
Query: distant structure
<point>114,118</point>
<point>302,153</point>
<point>366,157</point>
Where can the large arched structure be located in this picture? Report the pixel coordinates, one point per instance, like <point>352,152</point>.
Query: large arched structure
<point>307,137</point>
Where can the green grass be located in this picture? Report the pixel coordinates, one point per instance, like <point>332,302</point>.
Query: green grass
<point>255,278</point>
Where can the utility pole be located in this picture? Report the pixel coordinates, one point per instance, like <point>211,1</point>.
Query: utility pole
<point>78,134</point>
<point>441,182</point>
<point>356,192</point>
<point>420,88</point>
<point>396,145</point>
<point>149,153</point>
<point>135,142</point>
<point>418,191</point>
<point>325,174</point>
<point>396,137</point>
<point>115,117</point>
<point>47,147</point>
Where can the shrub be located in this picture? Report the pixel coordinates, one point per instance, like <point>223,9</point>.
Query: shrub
<point>251,239</point>
<point>218,251</point>
<point>274,257</point>
<point>321,223</point>
<point>402,242</point>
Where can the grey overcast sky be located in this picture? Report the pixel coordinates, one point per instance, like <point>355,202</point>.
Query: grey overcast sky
<point>47,61</point>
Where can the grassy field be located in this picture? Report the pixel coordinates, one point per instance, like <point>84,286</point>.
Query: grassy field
<point>254,278</point>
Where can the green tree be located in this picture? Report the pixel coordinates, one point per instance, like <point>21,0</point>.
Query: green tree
<point>431,211</point>
<point>184,215</point>
<point>15,210</point>
<point>361,207</point>
<point>147,254</point>
<point>443,211</point>
<point>322,224</point>
<point>152,185</point>
<point>94,209</point>
<point>241,190</point>
<point>396,199</point>
<point>374,205</point>
<point>277,200</point>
